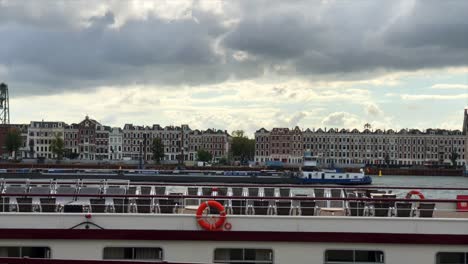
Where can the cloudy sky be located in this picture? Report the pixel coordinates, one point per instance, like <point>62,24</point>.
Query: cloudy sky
<point>237,64</point>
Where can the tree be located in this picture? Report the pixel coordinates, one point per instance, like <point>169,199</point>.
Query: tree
<point>57,146</point>
<point>31,148</point>
<point>238,133</point>
<point>13,142</point>
<point>223,161</point>
<point>204,155</point>
<point>70,155</point>
<point>453,157</point>
<point>157,148</point>
<point>242,147</point>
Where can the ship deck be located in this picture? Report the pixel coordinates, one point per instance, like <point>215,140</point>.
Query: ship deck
<point>78,219</point>
<point>108,196</point>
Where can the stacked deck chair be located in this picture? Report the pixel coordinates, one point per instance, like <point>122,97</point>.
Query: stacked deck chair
<point>238,205</point>
<point>285,192</point>
<point>132,190</point>
<point>158,190</point>
<point>337,193</point>
<point>320,193</point>
<point>307,207</point>
<point>118,204</point>
<point>193,191</point>
<point>4,204</point>
<point>145,205</point>
<point>261,207</point>
<point>167,206</point>
<point>270,192</point>
<point>94,204</point>
<point>19,203</point>
<point>403,209</point>
<point>390,196</point>
<point>284,207</point>
<point>220,192</point>
<point>355,208</point>
<point>381,209</point>
<point>426,209</point>
<point>207,191</point>
<point>64,203</point>
<point>251,204</point>
<point>47,204</point>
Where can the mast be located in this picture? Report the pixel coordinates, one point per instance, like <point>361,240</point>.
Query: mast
<point>4,105</point>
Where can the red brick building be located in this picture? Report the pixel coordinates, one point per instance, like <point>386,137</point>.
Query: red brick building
<point>87,138</point>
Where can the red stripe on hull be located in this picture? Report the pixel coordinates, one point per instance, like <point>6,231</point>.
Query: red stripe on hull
<point>324,237</point>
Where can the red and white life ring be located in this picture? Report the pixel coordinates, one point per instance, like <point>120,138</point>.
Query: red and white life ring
<point>414,192</point>
<point>207,225</point>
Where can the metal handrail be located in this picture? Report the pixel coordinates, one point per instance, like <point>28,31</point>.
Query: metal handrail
<point>298,186</point>
<point>181,196</point>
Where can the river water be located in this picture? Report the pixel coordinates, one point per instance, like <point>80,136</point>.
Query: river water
<point>424,181</point>
<point>411,182</point>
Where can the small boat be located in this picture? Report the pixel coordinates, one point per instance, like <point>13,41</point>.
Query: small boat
<point>310,173</point>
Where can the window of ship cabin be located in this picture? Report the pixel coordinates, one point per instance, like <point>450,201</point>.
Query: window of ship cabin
<point>353,256</point>
<point>23,252</point>
<point>133,253</point>
<point>243,255</point>
<point>452,258</point>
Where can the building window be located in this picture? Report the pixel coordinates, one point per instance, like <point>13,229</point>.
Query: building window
<point>25,252</point>
<point>452,258</point>
<point>243,255</point>
<point>131,253</point>
<point>353,256</point>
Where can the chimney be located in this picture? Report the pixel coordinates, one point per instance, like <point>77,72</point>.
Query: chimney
<point>465,122</point>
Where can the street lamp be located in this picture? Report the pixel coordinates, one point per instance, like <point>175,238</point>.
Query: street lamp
<point>141,155</point>
<point>142,145</point>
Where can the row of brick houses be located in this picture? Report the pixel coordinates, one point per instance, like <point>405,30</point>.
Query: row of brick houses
<point>90,140</point>
<point>345,147</point>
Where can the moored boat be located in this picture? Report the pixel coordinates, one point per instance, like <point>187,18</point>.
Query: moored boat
<point>193,176</point>
<point>310,173</point>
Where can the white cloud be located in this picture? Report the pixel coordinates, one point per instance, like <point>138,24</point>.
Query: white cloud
<point>450,86</point>
<point>433,96</point>
<point>373,109</point>
<point>350,121</point>
<point>296,118</point>
<point>342,120</point>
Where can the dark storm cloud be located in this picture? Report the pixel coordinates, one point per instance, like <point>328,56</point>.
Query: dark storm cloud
<point>357,36</point>
<point>441,24</point>
<point>55,52</point>
<point>140,51</point>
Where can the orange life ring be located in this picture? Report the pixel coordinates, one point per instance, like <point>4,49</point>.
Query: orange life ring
<point>414,192</point>
<point>211,226</point>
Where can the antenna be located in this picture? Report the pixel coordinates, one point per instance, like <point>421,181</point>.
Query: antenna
<point>4,104</point>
